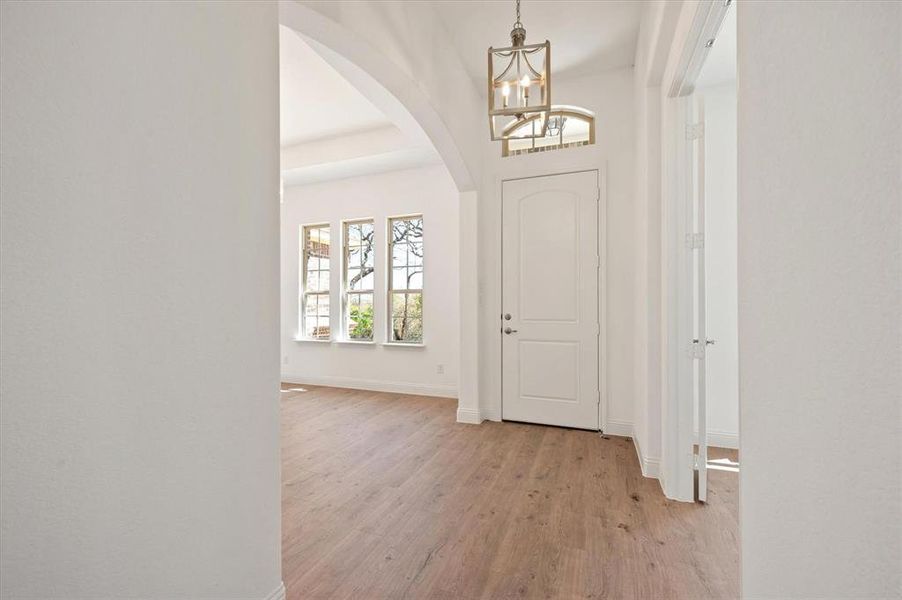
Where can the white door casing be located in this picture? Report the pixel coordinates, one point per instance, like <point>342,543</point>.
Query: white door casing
<point>549,323</point>
<point>696,142</point>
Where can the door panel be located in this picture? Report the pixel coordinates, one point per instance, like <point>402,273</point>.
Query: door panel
<point>549,277</point>
<point>550,293</point>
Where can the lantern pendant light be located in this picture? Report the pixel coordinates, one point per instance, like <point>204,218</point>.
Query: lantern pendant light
<point>519,87</point>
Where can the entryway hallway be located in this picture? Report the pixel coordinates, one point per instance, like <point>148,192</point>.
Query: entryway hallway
<point>385,496</point>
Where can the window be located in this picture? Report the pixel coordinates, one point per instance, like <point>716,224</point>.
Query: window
<point>405,288</point>
<point>315,282</point>
<point>568,127</point>
<point>359,279</point>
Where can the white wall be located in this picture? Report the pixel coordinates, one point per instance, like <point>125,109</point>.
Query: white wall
<point>380,46</point>
<point>720,265</point>
<point>820,266</point>
<point>653,49</point>
<point>138,224</point>
<point>610,95</point>
<point>429,191</point>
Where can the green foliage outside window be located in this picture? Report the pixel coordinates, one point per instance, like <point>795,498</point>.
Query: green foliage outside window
<point>361,322</point>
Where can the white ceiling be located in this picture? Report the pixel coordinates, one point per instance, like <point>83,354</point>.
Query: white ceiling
<point>586,36</point>
<point>334,129</point>
<point>720,65</point>
<point>316,102</point>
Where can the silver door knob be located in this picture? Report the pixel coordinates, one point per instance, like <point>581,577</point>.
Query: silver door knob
<point>507,316</point>
<point>509,331</point>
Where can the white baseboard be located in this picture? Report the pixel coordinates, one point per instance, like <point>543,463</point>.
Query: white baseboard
<point>651,467</point>
<point>468,415</point>
<point>278,593</point>
<point>395,387</point>
<point>490,414</point>
<point>615,427</point>
<point>721,439</point>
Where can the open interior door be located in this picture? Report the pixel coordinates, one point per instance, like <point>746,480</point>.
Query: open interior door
<point>696,139</point>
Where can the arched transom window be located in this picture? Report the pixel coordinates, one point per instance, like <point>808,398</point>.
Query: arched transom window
<point>568,127</point>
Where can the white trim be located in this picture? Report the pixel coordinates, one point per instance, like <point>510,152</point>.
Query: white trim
<point>278,593</point>
<point>343,291</point>
<point>721,439</point>
<point>389,280</point>
<point>651,467</point>
<point>602,235</point>
<point>705,26</point>
<point>403,344</point>
<point>468,415</point>
<point>617,427</point>
<point>490,414</point>
<point>694,27</point>
<point>355,342</point>
<point>304,340</point>
<point>469,354</point>
<point>395,387</point>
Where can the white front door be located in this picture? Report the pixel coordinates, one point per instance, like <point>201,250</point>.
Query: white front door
<point>549,322</point>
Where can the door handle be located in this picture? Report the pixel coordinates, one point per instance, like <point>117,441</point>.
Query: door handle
<point>509,331</point>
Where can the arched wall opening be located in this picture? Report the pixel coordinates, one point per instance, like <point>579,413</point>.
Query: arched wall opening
<point>404,100</point>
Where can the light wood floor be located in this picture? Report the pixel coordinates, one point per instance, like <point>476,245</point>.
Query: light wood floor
<point>385,496</point>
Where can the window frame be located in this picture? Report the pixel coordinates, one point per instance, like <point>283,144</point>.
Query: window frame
<point>304,294</point>
<point>569,112</point>
<point>346,291</point>
<point>390,289</point>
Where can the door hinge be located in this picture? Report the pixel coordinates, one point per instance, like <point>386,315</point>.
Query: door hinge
<point>695,131</point>
<point>597,262</point>
<point>695,241</point>
<point>597,194</point>
<point>696,350</point>
<point>598,397</point>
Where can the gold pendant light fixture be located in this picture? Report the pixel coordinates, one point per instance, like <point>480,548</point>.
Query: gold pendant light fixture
<point>519,87</point>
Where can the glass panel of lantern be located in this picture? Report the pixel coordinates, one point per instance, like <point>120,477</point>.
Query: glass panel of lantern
<point>519,90</point>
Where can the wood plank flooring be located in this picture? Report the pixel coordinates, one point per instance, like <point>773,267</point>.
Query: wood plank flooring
<point>386,496</point>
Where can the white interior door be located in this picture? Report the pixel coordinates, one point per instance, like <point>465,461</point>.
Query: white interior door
<point>549,321</point>
<point>700,342</point>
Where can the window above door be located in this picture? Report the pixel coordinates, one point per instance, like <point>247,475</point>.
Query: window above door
<point>568,127</point>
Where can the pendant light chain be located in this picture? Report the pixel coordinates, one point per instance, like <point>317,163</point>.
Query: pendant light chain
<point>518,23</point>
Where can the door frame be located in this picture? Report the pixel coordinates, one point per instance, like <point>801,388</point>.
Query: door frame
<point>601,305</point>
<point>677,406</point>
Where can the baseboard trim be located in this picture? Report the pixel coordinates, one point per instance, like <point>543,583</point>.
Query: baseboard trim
<point>278,593</point>
<point>622,428</point>
<point>721,439</point>
<point>468,415</point>
<point>651,467</point>
<point>395,387</point>
<point>490,414</point>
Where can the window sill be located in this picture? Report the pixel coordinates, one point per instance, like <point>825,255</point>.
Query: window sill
<point>312,341</point>
<point>403,345</point>
<point>356,342</point>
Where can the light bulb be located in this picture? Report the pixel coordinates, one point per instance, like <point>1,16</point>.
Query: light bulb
<point>525,81</point>
<point>506,89</point>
